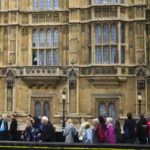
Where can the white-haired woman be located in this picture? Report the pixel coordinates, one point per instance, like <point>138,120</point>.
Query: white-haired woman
<point>110,131</point>
<point>4,127</point>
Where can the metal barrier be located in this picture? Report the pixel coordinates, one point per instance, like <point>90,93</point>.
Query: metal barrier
<point>10,145</point>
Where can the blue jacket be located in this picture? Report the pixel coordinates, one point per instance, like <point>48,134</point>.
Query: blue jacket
<point>87,138</point>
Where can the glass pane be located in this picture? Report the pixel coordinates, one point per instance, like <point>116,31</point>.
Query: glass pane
<point>55,58</point>
<point>56,38</point>
<point>48,40</point>
<point>38,109</point>
<point>111,111</point>
<point>102,110</point>
<point>49,4</point>
<point>114,55</point>
<point>35,4</point>
<point>113,33</point>
<point>46,109</point>
<point>98,55</point>
<point>41,57</point>
<point>122,33</point>
<point>90,2</point>
<point>105,1</point>
<point>41,44</point>
<point>90,35</point>
<point>35,39</point>
<point>98,34</point>
<point>113,1</point>
<point>122,55</point>
<point>34,57</point>
<point>106,33</point>
<point>97,1</point>
<point>90,55</point>
<point>56,4</point>
<point>42,4</point>
<point>48,57</point>
<point>122,1</point>
<point>106,55</point>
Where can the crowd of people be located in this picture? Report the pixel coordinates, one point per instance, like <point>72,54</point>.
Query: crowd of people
<point>100,130</point>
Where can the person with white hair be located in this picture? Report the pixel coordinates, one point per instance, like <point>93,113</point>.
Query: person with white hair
<point>48,132</point>
<point>4,127</point>
<point>98,132</point>
<point>110,131</point>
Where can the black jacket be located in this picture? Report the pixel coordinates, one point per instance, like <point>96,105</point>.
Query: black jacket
<point>13,129</point>
<point>4,134</point>
<point>5,125</point>
<point>130,124</point>
<point>142,130</point>
<point>48,133</point>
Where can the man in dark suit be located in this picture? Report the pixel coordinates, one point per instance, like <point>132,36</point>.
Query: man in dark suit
<point>13,128</point>
<point>4,128</point>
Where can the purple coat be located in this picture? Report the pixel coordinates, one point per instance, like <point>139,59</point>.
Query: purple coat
<point>110,134</point>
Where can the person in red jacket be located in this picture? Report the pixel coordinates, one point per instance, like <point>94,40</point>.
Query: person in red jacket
<point>98,133</point>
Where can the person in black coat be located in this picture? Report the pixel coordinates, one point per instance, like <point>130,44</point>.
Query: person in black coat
<point>48,133</point>
<point>13,128</point>
<point>4,127</point>
<point>142,130</point>
<point>129,129</point>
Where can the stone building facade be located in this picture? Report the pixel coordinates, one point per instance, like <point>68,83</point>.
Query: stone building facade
<point>98,51</point>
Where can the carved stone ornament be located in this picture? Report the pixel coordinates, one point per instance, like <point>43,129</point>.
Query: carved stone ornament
<point>141,79</point>
<point>72,75</point>
<point>10,76</point>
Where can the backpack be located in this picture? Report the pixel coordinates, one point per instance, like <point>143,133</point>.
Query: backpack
<point>73,132</point>
<point>126,132</point>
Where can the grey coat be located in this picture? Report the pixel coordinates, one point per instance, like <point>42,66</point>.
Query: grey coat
<point>67,133</point>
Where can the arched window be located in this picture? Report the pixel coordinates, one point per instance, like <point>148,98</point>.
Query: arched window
<point>48,40</point>
<point>55,58</point>
<point>41,57</point>
<point>106,33</point>
<point>56,38</point>
<point>56,4</point>
<point>48,57</point>
<point>113,33</point>
<point>38,109</point>
<point>102,110</point>
<point>121,1</point>
<point>35,4</point>
<point>49,4</point>
<point>122,34</point>
<point>98,34</point>
<point>35,39</point>
<point>46,109</point>
<point>105,1</point>
<point>98,55</point>
<point>113,1</point>
<point>97,1</point>
<point>42,4</point>
<point>106,55</point>
<point>114,55</point>
<point>111,110</point>
<point>41,44</point>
